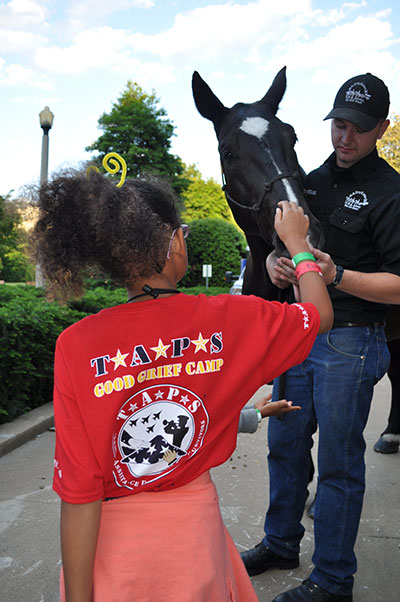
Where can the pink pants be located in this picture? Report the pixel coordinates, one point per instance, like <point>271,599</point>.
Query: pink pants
<point>169,546</point>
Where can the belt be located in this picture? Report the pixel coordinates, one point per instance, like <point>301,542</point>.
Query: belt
<point>356,324</point>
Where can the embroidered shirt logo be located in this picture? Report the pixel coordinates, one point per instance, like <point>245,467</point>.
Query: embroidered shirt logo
<point>356,200</point>
<point>357,93</point>
<point>162,427</point>
<point>310,192</point>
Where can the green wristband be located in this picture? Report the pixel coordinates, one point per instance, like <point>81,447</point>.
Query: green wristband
<point>302,257</point>
<point>259,415</point>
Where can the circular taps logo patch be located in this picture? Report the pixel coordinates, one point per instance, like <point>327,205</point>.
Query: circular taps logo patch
<point>157,429</point>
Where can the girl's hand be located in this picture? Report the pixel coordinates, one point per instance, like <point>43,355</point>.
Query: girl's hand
<point>290,222</point>
<point>274,408</point>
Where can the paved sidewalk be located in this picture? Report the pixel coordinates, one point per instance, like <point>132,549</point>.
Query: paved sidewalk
<point>25,428</point>
<point>29,548</point>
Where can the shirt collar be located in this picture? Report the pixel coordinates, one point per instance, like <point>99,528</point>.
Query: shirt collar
<point>359,170</point>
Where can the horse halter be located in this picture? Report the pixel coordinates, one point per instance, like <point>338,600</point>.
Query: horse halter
<point>267,188</point>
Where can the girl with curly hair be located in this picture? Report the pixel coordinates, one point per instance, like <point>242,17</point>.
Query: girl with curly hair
<point>147,394</point>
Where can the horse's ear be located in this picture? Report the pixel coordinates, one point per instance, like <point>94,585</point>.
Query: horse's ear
<point>208,105</point>
<point>275,94</point>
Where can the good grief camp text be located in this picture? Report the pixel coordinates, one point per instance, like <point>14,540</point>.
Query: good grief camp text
<point>167,371</point>
<point>142,356</point>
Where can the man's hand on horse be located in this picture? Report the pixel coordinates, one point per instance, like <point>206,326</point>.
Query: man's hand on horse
<point>325,262</point>
<point>280,270</point>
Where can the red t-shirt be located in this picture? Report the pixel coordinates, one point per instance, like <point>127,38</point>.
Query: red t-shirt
<point>147,396</point>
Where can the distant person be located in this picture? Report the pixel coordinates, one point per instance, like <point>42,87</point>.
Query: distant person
<point>148,394</point>
<point>389,441</point>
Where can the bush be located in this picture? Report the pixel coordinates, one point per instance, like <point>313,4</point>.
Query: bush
<point>29,327</point>
<point>16,266</point>
<point>97,299</point>
<point>211,290</point>
<point>213,241</point>
<point>19,293</point>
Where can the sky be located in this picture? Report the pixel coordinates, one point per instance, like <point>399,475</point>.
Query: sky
<point>76,57</point>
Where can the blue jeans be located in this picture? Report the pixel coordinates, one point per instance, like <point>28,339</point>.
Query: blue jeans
<point>334,387</point>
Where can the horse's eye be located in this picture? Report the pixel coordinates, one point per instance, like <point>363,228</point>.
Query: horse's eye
<point>226,155</point>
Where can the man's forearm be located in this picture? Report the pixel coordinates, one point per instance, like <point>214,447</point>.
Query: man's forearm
<point>378,287</point>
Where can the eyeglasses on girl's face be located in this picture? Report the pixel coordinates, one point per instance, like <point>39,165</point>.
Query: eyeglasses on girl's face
<point>185,231</point>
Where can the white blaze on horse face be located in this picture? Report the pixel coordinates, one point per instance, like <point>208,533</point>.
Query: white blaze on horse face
<point>255,126</point>
<point>291,196</point>
<point>258,127</point>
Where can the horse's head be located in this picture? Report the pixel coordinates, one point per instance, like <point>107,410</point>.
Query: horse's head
<point>258,160</point>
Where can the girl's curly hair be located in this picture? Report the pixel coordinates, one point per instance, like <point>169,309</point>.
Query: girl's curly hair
<point>85,221</point>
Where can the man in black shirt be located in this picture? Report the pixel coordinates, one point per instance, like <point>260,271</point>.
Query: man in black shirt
<point>356,197</point>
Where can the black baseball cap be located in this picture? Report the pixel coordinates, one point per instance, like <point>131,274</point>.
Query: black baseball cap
<point>362,100</point>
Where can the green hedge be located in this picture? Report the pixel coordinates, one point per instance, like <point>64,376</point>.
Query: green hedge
<point>213,241</point>
<point>98,298</point>
<point>29,327</point>
<point>211,290</point>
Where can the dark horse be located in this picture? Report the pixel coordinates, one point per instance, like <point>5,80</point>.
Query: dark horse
<point>259,168</point>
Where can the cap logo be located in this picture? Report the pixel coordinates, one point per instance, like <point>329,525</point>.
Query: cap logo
<point>357,93</point>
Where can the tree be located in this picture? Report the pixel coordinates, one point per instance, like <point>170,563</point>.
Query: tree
<point>138,129</point>
<point>9,220</point>
<point>15,265</point>
<point>389,146</point>
<point>213,241</point>
<point>203,198</point>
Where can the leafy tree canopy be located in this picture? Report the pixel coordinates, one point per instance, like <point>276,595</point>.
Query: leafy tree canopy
<point>139,130</point>
<point>389,146</point>
<point>15,265</point>
<point>9,221</point>
<point>203,198</point>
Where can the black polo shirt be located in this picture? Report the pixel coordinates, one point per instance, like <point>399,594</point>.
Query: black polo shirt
<point>359,210</point>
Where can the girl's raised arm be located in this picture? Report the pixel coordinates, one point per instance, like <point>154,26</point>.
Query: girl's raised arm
<point>291,226</point>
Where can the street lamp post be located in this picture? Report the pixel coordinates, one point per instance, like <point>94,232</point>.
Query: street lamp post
<point>46,118</point>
